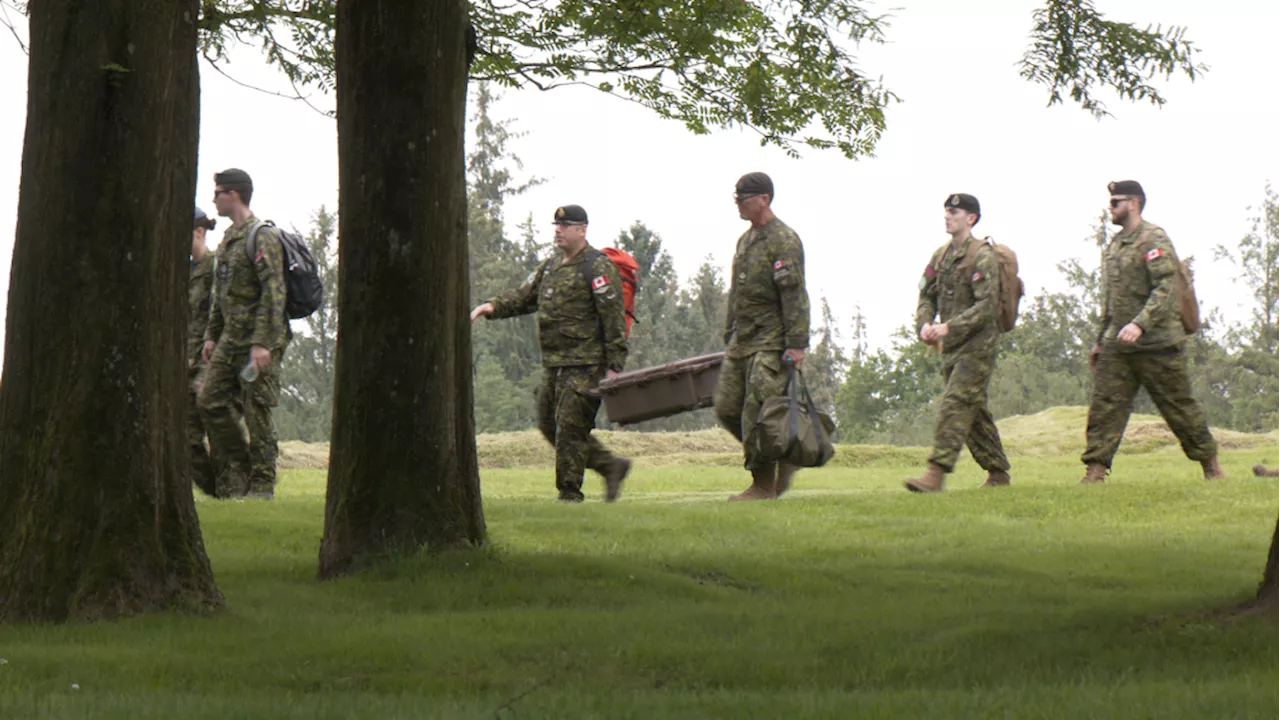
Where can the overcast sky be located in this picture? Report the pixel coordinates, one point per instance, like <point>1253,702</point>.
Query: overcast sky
<point>966,123</point>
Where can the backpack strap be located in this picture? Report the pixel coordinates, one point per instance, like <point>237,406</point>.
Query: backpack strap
<point>587,263</point>
<point>971,255</point>
<point>251,239</point>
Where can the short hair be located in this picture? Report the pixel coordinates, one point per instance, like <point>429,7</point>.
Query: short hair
<point>244,190</point>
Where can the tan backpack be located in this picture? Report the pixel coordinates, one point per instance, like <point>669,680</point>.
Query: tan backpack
<point>1011,288</point>
<point>1183,290</point>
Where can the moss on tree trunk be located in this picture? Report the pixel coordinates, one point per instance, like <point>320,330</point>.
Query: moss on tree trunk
<point>403,472</point>
<point>97,518</point>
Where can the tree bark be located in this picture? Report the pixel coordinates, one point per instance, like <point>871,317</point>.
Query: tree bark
<point>1266,597</point>
<point>403,472</point>
<point>97,518</point>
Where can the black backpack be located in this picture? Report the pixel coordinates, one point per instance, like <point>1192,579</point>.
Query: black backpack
<point>304,293</point>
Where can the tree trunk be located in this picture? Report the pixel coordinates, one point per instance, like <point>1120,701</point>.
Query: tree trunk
<point>1266,597</point>
<point>97,518</point>
<point>403,472</point>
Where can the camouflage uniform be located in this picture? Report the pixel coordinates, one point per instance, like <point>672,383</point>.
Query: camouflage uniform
<point>1137,287</point>
<point>768,313</point>
<point>582,333</point>
<point>961,291</point>
<point>199,288</point>
<point>248,309</point>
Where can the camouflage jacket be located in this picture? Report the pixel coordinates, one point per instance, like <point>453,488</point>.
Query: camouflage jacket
<point>249,293</point>
<point>1137,283</point>
<point>199,291</point>
<point>966,300</point>
<point>579,323</point>
<point>768,302</point>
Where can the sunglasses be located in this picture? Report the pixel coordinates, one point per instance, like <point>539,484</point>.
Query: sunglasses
<point>743,198</point>
<point>1115,202</point>
<point>216,193</point>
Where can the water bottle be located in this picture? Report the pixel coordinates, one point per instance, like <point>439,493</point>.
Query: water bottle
<point>250,371</point>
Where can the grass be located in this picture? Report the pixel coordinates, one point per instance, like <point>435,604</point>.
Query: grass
<point>848,598</point>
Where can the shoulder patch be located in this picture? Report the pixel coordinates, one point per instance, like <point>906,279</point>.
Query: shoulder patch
<point>929,272</point>
<point>1154,253</point>
<point>600,283</point>
<point>778,264</point>
<point>976,276</point>
<point>258,258</point>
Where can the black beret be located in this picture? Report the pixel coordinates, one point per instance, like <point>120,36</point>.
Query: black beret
<point>203,220</point>
<point>1126,187</point>
<point>754,183</point>
<point>570,215</point>
<point>963,201</point>
<point>233,176</point>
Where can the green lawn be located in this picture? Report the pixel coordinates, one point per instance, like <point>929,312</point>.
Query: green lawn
<point>848,598</point>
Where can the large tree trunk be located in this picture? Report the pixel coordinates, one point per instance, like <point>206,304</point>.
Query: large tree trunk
<point>403,472</point>
<point>1266,597</point>
<point>96,514</point>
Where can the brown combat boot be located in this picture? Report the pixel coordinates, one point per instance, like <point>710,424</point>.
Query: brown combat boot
<point>613,479</point>
<point>1212,470</point>
<point>930,482</point>
<point>1094,474</point>
<point>996,478</point>
<point>785,473</point>
<point>1261,470</point>
<point>763,485</point>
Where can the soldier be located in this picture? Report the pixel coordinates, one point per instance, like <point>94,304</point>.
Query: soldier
<point>960,287</point>
<point>582,335</point>
<point>244,345</point>
<point>199,287</point>
<point>1140,342</point>
<point>766,327</point>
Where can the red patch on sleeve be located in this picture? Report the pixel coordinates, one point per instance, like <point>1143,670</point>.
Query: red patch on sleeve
<point>929,272</point>
<point>258,258</point>
<point>976,277</point>
<point>599,282</point>
<point>1154,253</point>
<point>778,264</point>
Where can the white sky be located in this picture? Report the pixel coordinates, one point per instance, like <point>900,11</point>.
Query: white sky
<point>966,123</point>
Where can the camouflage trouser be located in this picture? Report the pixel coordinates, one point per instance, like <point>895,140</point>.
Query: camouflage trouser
<point>241,467</point>
<point>744,385</point>
<point>202,472</point>
<point>963,417</point>
<point>1164,374</point>
<point>566,417</point>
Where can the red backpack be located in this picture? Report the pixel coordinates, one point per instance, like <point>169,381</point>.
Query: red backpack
<point>627,268</point>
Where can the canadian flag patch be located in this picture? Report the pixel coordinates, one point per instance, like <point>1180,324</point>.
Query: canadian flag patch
<point>778,264</point>
<point>976,277</point>
<point>258,258</point>
<point>599,282</point>
<point>1154,253</point>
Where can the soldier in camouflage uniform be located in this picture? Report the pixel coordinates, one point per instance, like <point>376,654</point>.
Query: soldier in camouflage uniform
<point>960,287</point>
<point>1141,342</point>
<point>247,325</point>
<point>766,327</point>
<point>582,335</point>
<point>199,287</point>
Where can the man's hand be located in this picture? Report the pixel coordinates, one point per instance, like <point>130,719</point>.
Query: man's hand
<point>795,356</point>
<point>1129,334</point>
<point>610,374</point>
<point>485,310</point>
<point>207,351</point>
<point>933,333</point>
<point>1093,357</point>
<point>260,357</point>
